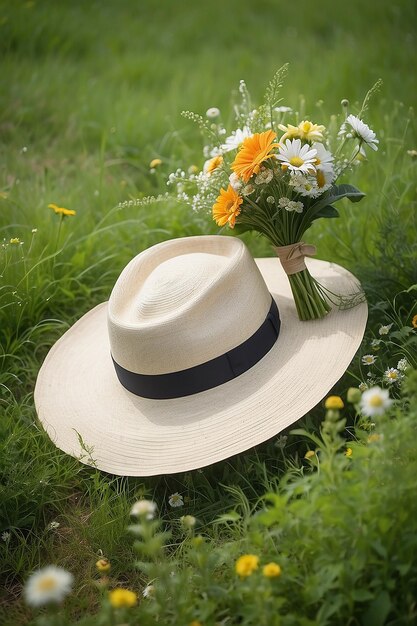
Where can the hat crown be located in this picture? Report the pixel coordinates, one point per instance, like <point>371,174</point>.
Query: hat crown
<point>184,302</point>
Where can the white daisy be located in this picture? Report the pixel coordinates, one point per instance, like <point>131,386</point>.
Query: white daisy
<point>176,500</point>
<point>360,130</point>
<point>53,525</point>
<point>402,365</point>
<point>50,584</point>
<point>144,508</point>
<point>297,157</point>
<point>392,375</point>
<point>368,359</point>
<point>149,591</point>
<point>324,158</point>
<point>384,330</point>
<point>375,401</point>
<point>212,113</point>
<point>236,139</point>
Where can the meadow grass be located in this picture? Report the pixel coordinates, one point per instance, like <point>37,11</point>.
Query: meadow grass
<point>90,93</point>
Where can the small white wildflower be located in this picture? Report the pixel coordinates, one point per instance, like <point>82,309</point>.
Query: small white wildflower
<point>248,189</point>
<point>189,521</point>
<point>53,525</point>
<point>369,359</point>
<point>50,584</point>
<point>384,330</point>
<point>176,500</point>
<point>283,109</point>
<point>282,202</point>
<point>144,508</point>
<point>375,344</point>
<point>149,591</point>
<point>34,230</point>
<point>375,401</point>
<point>235,181</point>
<point>281,442</point>
<point>24,149</point>
<point>5,536</point>
<point>264,177</point>
<point>295,206</point>
<point>392,375</point>
<point>212,113</point>
<point>363,387</point>
<point>270,200</point>
<point>402,365</point>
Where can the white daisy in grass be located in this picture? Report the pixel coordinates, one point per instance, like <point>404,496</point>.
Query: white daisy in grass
<point>375,401</point>
<point>311,186</point>
<point>296,157</point>
<point>392,375</point>
<point>368,359</point>
<point>50,584</point>
<point>236,138</point>
<point>360,130</point>
<point>402,365</point>
<point>384,330</point>
<point>176,500</point>
<point>144,508</point>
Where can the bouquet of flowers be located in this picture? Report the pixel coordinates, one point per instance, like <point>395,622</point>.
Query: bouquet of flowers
<point>276,178</point>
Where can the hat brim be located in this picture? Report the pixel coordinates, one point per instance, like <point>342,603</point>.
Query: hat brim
<point>88,414</point>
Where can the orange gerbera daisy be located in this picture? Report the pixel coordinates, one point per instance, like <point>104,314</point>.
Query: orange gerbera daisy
<point>253,152</point>
<point>227,207</point>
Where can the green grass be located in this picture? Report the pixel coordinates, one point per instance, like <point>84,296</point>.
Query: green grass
<point>90,93</point>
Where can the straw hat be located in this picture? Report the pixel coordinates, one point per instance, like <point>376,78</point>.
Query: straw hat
<point>197,356</point>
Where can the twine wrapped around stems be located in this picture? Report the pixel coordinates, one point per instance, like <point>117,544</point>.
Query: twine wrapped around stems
<point>292,256</point>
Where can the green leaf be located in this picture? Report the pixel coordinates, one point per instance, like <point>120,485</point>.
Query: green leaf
<point>336,193</point>
<point>378,610</point>
<point>327,211</point>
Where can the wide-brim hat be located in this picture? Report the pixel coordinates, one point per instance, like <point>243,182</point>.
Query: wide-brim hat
<point>198,355</point>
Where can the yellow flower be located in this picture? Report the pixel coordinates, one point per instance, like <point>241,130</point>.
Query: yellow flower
<point>271,570</point>
<point>60,210</point>
<point>414,321</point>
<point>15,240</point>
<point>334,402</point>
<point>291,132</point>
<point>121,598</point>
<point>246,565</point>
<point>309,454</point>
<point>227,207</point>
<point>155,163</point>
<point>310,131</point>
<point>349,452</point>
<point>212,164</point>
<point>253,152</point>
<point>103,565</point>
<point>374,437</point>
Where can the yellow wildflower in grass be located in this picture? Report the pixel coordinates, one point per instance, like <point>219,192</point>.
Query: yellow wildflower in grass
<point>271,570</point>
<point>414,321</point>
<point>15,240</point>
<point>290,132</point>
<point>246,565</point>
<point>103,566</point>
<point>349,452</point>
<point>309,454</point>
<point>122,598</point>
<point>334,403</point>
<point>227,207</point>
<point>155,163</point>
<point>253,152</point>
<point>213,164</point>
<point>60,210</point>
